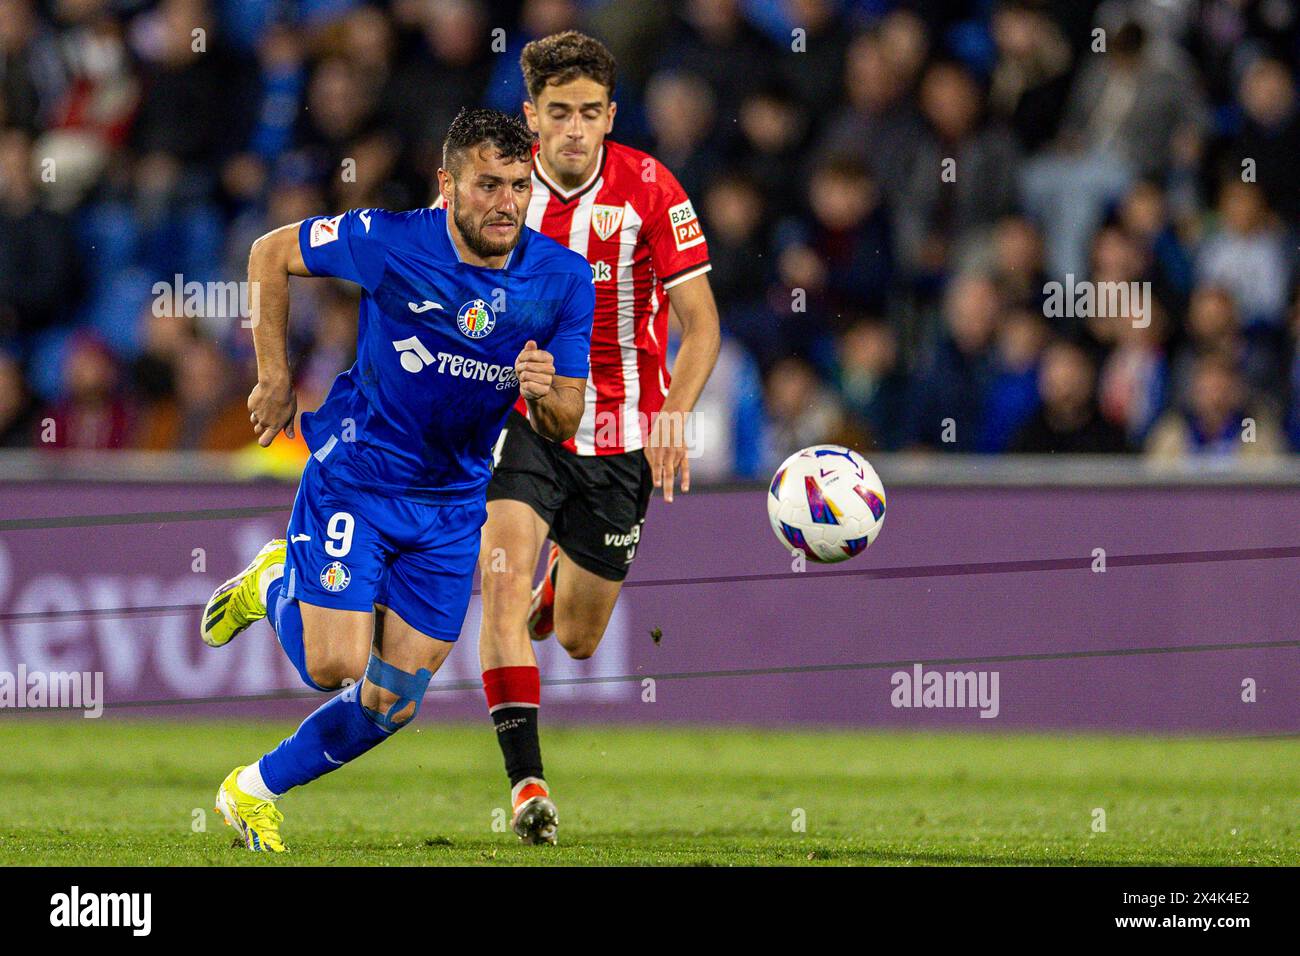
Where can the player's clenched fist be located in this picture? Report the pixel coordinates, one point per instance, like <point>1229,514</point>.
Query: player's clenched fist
<point>535,368</point>
<point>271,408</point>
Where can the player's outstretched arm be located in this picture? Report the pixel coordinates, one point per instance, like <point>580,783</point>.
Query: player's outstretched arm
<point>692,302</point>
<point>272,403</point>
<point>555,402</point>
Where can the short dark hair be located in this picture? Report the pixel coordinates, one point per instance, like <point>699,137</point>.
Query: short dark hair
<point>474,127</point>
<point>562,58</point>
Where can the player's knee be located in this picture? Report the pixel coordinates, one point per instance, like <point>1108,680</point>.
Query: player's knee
<point>392,711</point>
<point>333,667</point>
<point>579,626</point>
<point>578,642</point>
<point>391,696</point>
<point>580,652</point>
<point>505,587</point>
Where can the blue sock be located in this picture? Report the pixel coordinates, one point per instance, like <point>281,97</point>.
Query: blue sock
<point>337,732</point>
<point>286,620</point>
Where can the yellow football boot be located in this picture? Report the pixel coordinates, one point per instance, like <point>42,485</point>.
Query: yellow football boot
<point>238,603</point>
<point>258,821</point>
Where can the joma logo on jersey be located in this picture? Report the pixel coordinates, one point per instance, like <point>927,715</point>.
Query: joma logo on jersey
<point>606,220</point>
<point>476,319</point>
<point>601,272</point>
<point>686,225</point>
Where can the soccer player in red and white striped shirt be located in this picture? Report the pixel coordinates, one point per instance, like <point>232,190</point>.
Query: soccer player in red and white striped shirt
<point>629,216</point>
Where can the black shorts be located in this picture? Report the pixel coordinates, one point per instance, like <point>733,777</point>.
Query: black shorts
<point>594,504</point>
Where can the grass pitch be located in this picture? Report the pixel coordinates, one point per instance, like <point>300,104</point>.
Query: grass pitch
<point>81,792</point>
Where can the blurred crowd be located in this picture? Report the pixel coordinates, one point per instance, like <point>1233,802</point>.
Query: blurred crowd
<point>888,188</point>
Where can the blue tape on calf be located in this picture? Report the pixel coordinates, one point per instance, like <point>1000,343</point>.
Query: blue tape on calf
<point>409,689</point>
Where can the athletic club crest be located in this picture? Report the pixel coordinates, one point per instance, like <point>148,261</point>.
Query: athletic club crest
<point>476,319</point>
<point>606,220</point>
<point>335,576</point>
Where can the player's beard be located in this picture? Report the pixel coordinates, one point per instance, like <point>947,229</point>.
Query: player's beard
<point>479,243</point>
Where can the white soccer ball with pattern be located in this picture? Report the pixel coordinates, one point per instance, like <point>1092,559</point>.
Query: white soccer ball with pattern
<point>826,501</point>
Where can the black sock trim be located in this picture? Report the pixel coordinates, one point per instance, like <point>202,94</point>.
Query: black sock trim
<point>520,745</point>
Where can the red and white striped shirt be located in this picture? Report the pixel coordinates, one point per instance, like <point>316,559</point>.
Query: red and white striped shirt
<point>636,226</point>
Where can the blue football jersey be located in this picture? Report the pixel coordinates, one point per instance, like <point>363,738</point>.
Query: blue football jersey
<point>420,410</point>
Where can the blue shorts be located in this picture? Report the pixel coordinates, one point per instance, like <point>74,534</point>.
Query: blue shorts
<point>351,549</point>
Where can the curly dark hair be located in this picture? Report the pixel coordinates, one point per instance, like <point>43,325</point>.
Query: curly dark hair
<point>474,127</point>
<point>563,57</point>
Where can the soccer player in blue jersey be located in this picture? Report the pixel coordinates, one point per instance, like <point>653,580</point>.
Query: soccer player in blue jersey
<point>368,594</point>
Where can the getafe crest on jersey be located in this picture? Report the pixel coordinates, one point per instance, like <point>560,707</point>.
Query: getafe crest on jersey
<point>476,319</point>
<point>606,220</point>
<point>335,576</point>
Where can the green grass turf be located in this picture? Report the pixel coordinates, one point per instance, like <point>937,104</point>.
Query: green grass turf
<point>110,793</point>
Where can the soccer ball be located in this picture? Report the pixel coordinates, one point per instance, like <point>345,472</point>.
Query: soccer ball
<point>827,502</point>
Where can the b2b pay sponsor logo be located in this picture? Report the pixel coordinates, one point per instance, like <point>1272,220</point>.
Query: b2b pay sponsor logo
<point>686,225</point>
